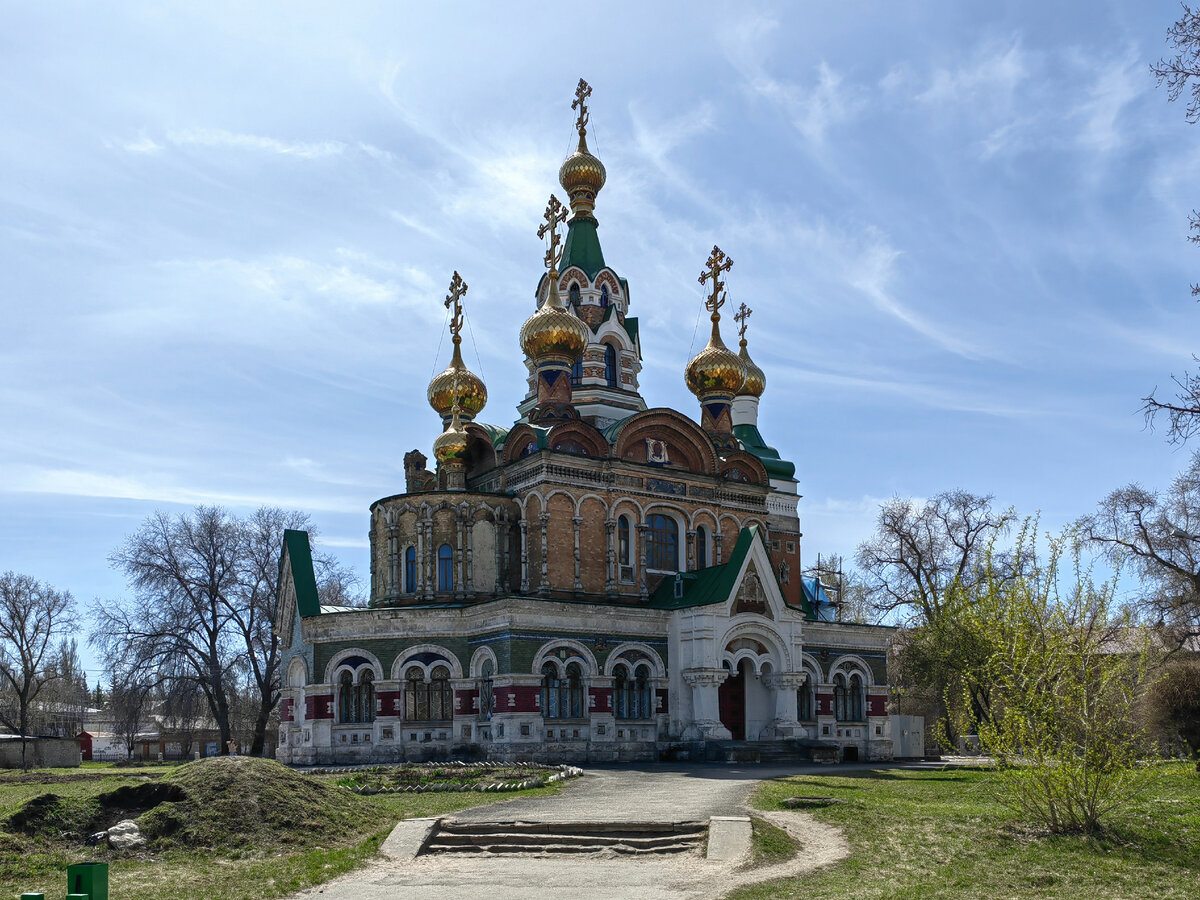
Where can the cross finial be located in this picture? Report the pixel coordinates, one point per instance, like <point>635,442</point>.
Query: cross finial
<point>458,289</point>
<point>717,263</point>
<point>741,316</point>
<point>582,92</point>
<point>555,213</point>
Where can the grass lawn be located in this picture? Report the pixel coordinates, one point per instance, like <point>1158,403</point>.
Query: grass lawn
<point>278,859</point>
<point>940,833</point>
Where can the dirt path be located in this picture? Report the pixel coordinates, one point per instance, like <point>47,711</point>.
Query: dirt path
<point>650,794</point>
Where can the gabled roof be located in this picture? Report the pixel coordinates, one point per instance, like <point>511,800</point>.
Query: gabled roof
<point>297,557</point>
<point>752,441</point>
<point>715,584</point>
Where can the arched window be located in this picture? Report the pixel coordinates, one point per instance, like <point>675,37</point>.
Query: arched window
<point>804,701</point>
<point>365,697</point>
<point>839,697</point>
<point>662,543</point>
<point>624,550</point>
<point>701,547</point>
<point>410,570</point>
<point>604,296</point>
<point>431,701</point>
<point>577,372</point>
<point>487,699</point>
<point>641,690</point>
<point>562,698</point>
<point>610,365</point>
<point>346,698</point>
<point>621,691</point>
<point>573,294</point>
<point>445,568</point>
<point>855,703</point>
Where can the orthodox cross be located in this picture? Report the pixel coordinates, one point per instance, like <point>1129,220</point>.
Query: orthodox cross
<point>717,263</point>
<point>458,288</point>
<point>582,92</point>
<point>741,316</point>
<point>554,214</point>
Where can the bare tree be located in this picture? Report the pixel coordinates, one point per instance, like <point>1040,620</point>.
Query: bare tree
<point>1181,76</point>
<point>129,702</point>
<point>184,572</point>
<point>1158,535</point>
<point>920,549</point>
<point>33,616</point>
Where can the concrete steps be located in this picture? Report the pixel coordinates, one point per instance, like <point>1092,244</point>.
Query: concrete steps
<point>776,753</point>
<point>626,838</point>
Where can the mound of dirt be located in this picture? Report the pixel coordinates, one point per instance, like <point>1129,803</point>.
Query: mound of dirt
<point>55,816</point>
<point>244,802</point>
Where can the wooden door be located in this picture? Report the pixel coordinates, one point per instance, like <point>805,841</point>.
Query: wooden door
<point>731,697</point>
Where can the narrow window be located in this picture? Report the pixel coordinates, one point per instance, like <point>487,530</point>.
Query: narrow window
<point>623,540</point>
<point>577,373</point>
<point>662,549</point>
<point>551,686</point>
<point>445,568</point>
<point>839,697</point>
<point>366,696</point>
<point>346,698</point>
<point>410,570</point>
<point>574,698</point>
<point>573,294</point>
<point>856,699</point>
<point>804,710</point>
<point>621,692</point>
<point>701,547</point>
<point>416,695</point>
<point>642,693</point>
<point>487,701</point>
<point>441,695</point>
<point>604,296</point>
<point>610,365</point>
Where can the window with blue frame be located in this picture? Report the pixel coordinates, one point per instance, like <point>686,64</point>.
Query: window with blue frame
<point>410,570</point>
<point>445,568</point>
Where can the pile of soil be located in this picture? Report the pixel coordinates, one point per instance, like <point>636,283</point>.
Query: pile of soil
<point>232,802</point>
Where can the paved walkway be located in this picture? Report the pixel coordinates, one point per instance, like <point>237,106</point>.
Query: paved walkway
<point>654,793</point>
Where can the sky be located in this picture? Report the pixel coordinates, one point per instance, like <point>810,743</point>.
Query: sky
<point>226,230</point>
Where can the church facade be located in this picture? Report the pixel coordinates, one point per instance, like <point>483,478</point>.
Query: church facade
<point>601,580</point>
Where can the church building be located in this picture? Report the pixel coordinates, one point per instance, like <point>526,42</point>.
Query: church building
<point>599,580</point>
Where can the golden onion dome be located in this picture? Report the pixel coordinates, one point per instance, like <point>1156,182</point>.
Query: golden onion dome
<point>552,333</point>
<point>451,445</point>
<point>756,380</point>
<point>472,393</point>
<point>715,370</point>
<point>582,176</point>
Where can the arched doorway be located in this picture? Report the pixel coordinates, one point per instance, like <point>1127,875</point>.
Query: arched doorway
<point>731,699</point>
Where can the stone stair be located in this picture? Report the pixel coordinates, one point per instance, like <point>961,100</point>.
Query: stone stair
<point>627,838</point>
<point>771,753</point>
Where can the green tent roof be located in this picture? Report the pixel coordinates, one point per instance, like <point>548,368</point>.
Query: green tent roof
<point>582,247</point>
<point>752,441</point>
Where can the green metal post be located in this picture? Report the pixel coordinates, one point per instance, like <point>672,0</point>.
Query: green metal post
<point>88,880</point>
<point>33,897</point>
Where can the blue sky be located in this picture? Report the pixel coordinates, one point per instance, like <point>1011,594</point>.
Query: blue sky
<point>226,229</point>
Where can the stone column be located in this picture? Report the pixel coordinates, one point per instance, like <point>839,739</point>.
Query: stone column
<point>469,529</point>
<point>460,573</point>
<point>642,528</point>
<point>524,557</point>
<point>784,686</point>
<point>706,712</point>
<point>610,558</point>
<point>544,587</point>
<point>501,553</point>
<point>421,558</point>
<point>576,521</point>
<point>691,550</point>
<point>717,540</point>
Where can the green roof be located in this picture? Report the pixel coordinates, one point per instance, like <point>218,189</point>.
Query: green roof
<point>752,441</point>
<point>714,584</point>
<point>582,247</point>
<point>298,553</point>
<point>495,432</point>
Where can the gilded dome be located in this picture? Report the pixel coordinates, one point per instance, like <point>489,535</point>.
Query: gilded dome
<point>582,176</point>
<point>756,380</point>
<point>715,370</point>
<point>472,394</point>
<point>451,445</point>
<point>553,333</point>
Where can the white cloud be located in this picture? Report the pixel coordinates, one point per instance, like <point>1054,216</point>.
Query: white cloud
<point>991,77</point>
<point>216,137</point>
<point>1115,85</point>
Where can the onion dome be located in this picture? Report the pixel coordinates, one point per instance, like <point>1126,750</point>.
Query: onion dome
<point>715,370</point>
<point>552,334</point>
<point>756,380</point>
<point>472,394</point>
<point>582,176</point>
<point>451,445</point>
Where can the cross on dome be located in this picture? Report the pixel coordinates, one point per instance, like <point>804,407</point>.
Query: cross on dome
<point>458,289</point>
<point>582,92</point>
<point>717,263</point>
<point>744,312</point>
<point>554,215</point>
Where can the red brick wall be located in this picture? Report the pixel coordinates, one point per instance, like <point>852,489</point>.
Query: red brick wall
<point>524,698</point>
<point>601,699</point>
<point>465,702</point>
<point>662,693</point>
<point>389,703</point>
<point>285,710</point>
<point>318,707</point>
<point>877,705</point>
<point>824,704</point>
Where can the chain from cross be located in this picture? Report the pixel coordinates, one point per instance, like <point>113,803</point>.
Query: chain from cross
<point>744,312</point>
<point>555,213</point>
<point>717,263</point>
<point>582,92</point>
<point>458,289</point>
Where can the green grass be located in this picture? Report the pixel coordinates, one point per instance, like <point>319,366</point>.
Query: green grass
<point>941,833</point>
<point>244,834</point>
<point>769,844</point>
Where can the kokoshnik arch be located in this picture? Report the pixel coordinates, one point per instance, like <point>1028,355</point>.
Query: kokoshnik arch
<point>600,580</point>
